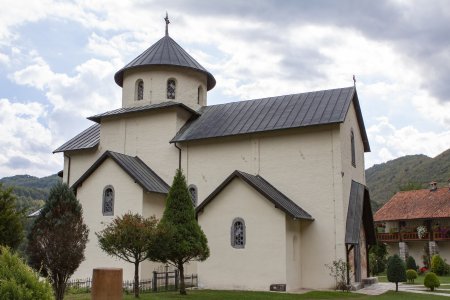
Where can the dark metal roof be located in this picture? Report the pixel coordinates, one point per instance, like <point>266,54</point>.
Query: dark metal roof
<point>359,212</point>
<point>274,113</point>
<point>280,200</point>
<point>135,109</point>
<point>134,167</point>
<point>85,140</point>
<point>165,52</point>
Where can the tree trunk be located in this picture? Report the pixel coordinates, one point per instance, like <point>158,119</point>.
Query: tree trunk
<point>60,288</point>
<point>182,286</point>
<point>396,286</point>
<point>136,279</point>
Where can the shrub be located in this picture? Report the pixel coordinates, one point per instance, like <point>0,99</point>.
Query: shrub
<point>411,263</point>
<point>438,265</point>
<point>338,270</point>
<point>423,270</point>
<point>411,275</point>
<point>396,271</point>
<point>431,281</point>
<point>18,281</point>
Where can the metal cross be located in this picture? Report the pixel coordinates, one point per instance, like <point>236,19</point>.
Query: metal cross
<point>167,23</point>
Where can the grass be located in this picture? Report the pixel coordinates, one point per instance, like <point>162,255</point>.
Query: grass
<point>235,295</point>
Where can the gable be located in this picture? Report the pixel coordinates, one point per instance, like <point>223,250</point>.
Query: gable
<point>134,167</point>
<point>264,188</point>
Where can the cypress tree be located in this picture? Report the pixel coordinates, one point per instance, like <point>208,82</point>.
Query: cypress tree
<point>396,271</point>
<point>180,238</point>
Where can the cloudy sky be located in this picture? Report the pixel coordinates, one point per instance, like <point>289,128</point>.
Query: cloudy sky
<point>58,59</point>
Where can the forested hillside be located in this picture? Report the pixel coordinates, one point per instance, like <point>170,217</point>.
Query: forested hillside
<point>30,191</point>
<point>405,173</point>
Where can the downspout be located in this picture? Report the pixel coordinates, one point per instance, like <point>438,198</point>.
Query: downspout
<point>179,155</point>
<point>68,169</point>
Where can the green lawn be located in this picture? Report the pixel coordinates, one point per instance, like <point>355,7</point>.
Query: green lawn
<point>237,295</point>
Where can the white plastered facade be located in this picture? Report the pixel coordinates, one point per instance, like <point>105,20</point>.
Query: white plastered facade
<point>311,166</point>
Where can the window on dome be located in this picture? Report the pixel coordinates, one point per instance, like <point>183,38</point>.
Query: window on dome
<point>238,233</point>
<point>108,201</point>
<point>139,89</point>
<point>171,88</point>
<point>199,94</point>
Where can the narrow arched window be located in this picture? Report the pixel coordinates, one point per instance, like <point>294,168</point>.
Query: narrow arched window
<point>171,88</point>
<point>108,201</point>
<point>194,195</point>
<point>352,142</point>
<point>238,233</point>
<point>139,89</point>
<point>199,94</point>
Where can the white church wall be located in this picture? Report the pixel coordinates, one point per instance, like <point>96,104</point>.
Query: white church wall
<point>80,161</point>
<point>147,136</point>
<point>293,246</point>
<point>155,86</point>
<point>127,198</point>
<point>263,260</point>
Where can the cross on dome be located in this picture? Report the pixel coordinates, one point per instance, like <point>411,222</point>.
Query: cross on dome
<point>167,23</point>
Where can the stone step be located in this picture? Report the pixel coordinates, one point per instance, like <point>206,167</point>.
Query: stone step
<point>369,281</point>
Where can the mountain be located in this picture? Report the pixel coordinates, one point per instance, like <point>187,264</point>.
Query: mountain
<point>30,191</point>
<point>405,173</point>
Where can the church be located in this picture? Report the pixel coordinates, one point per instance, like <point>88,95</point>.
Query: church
<point>278,183</point>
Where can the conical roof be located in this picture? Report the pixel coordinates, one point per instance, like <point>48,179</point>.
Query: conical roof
<point>165,52</point>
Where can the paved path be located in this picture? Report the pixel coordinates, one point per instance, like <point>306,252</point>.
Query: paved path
<point>382,287</point>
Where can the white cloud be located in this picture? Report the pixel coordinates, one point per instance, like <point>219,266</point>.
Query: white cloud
<point>24,141</point>
<point>389,141</point>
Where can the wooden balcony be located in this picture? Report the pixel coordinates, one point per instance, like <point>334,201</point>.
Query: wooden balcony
<point>388,237</point>
<point>411,236</point>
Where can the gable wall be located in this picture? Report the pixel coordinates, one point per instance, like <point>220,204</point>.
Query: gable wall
<point>262,261</point>
<point>80,161</point>
<point>304,164</point>
<point>128,197</point>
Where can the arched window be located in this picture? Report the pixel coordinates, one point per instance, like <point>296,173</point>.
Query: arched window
<point>139,89</point>
<point>171,88</point>
<point>108,201</point>
<point>238,233</point>
<point>194,195</point>
<point>352,141</point>
<point>199,94</point>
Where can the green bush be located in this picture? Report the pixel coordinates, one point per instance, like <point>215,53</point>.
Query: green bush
<point>438,265</point>
<point>411,275</point>
<point>18,281</point>
<point>411,263</point>
<point>431,281</point>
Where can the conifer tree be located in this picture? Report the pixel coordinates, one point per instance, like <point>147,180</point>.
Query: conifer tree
<point>396,271</point>
<point>180,238</point>
<point>11,220</point>
<point>58,238</point>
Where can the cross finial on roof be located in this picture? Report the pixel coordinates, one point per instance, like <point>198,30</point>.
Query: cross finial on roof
<point>167,23</point>
<point>354,80</point>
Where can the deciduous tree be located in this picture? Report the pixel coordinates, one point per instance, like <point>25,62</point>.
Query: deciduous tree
<point>58,238</point>
<point>180,238</point>
<point>11,220</point>
<point>130,238</point>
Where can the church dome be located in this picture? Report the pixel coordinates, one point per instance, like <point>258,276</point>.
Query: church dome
<point>165,52</point>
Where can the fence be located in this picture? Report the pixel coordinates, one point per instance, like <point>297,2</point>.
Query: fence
<point>160,282</point>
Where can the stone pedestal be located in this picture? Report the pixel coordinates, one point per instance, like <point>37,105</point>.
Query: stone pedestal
<point>107,284</point>
<point>403,250</point>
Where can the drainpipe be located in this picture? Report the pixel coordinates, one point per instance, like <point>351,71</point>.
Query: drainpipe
<point>68,169</point>
<point>179,155</point>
